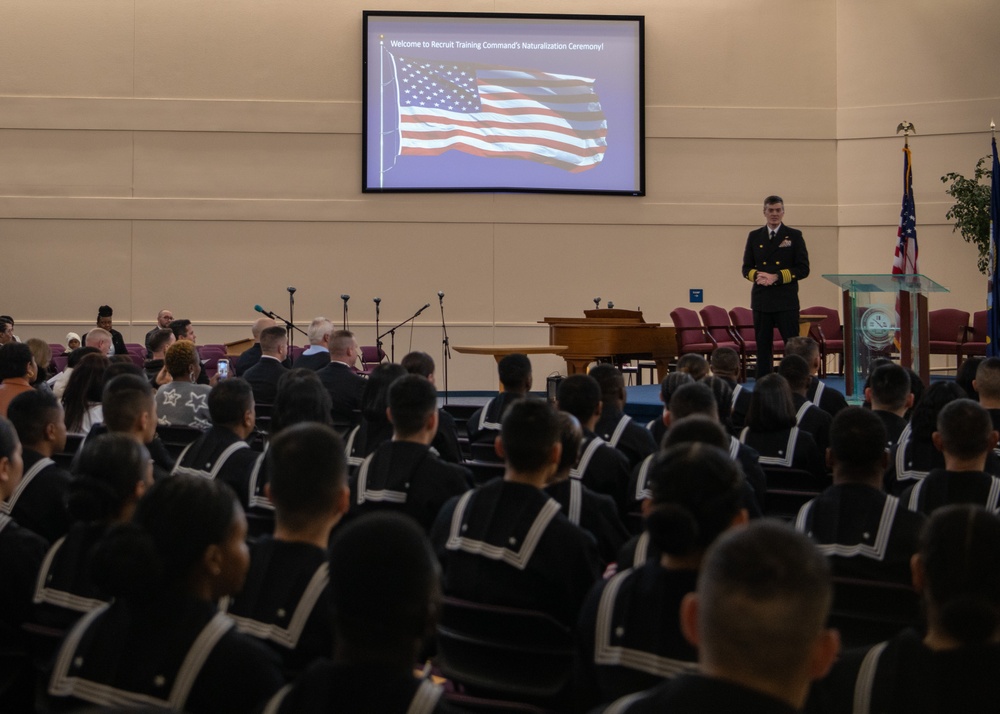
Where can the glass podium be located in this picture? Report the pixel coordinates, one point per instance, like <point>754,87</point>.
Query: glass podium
<point>884,313</point>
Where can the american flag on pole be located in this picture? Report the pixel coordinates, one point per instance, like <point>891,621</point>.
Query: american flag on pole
<point>554,119</point>
<point>993,299</point>
<point>905,261</point>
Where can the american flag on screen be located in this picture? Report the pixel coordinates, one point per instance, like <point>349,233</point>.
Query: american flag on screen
<point>554,119</point>
<point>905,260</point>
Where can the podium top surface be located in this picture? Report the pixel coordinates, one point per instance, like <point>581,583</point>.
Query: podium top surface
<point>886,283</point>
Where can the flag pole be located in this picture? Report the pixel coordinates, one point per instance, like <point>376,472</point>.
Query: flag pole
<point>381,109</point>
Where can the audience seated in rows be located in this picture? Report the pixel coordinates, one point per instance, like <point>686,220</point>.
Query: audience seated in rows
<point>808,417</point>
<point>601,467</point>
<point>375,427</point>
<point>629,633</point>
<point>344,385</point>
<point>614,425</point>
<point>758,621</point>
<point>263,377</point>
<point>829,400</point>
<point>772,432</point>
<point>183,402</point>
<point>865,532</point>
<point>317,355</point>
<point>966,438</point>
<point>507,543</point>
<point>596,513</point>
<point>953,665</point>
<point>515,375</point>
<point>888,393</point>
<point>446,439</point>
<point>286,601</point>
<point>404,473</point>
<point>39,502</point>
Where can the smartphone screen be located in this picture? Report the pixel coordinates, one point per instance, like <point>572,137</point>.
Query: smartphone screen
<point>223,368</point>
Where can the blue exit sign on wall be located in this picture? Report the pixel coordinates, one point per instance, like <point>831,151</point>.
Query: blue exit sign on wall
<point>697,295</point>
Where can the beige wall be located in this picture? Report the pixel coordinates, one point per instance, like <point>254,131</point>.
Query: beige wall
<point>204,156</point>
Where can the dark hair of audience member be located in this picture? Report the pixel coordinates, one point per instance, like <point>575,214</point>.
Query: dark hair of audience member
<point>723,395</point>
<point>179,327</point>
<point>695,497</point>
<point>375,397</point>
<point>670,384</point>
<point>966,374</point>
<point>571,438</point>
<point>152,558</point>
<point>579,395</point>
<point>124,400</point>
<point>384,589</point>
<point>960,555</point>
<point>693,398</point>
<point>857,442</point>
<point>78,354</point>
<point>119,367</point>
<point>988,378</point>
<point>412,400</point>
<point>84,388</point>
<point>9,443</point>
<point>111,465</point>
<point>701,428</point>
<point>917,389</point>
<point>229,401</point>
<point>764,595</point>
<point>528,432</point>
<point>693,364</point>
<point>925,413</point>
<point>181,360</point>
<point>418,363</point>
<point>514,371</point>
<point>725,362</point>
<point>610,379</point>
<point>965,428</point>
<point>31,412</point>
<point>307,470</point>
<point>159,340</point>
<point>15,360</point>
<point>771,406</point>
<point>301,397</point>
<point>796,372</point>
<point>890,385</point>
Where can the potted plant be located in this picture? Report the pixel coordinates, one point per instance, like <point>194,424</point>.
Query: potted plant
<point>971,210</point>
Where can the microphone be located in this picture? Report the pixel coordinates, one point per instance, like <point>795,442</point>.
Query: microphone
<point>290,289</point>
<point>261,310</point>
<point>377,300</point>
<point>423,308</point>
<point>597,301</point>
<point>611,305</point>
<point>441,296</point>
<point>345,298</point>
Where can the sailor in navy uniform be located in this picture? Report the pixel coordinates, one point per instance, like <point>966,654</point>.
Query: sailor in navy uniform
<point>507,543</point>
<point>616,427</point>
<point>775,260</point>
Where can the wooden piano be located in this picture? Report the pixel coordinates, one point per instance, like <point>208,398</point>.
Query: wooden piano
<point>612,333</point>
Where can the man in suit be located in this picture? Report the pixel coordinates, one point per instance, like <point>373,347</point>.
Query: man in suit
<point>251,356</point>
<point>317,355</point>
<point>263,376</point>
<point>775,260</point>
<point>163,319</point>
<point>340,380</point>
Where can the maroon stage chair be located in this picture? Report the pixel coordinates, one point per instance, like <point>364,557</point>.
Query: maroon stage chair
<point>975,342</point>
<point>829,334</point>
<point>691,335</point>
<point>720,329</point>
<point>947,333</point>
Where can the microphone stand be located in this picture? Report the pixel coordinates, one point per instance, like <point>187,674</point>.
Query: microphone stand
<point>392,331</point>
<point>378,339</point>
<point>291,319</point>
<point>345,298</point>
<point>445,346</point>
<point>289,325</point>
